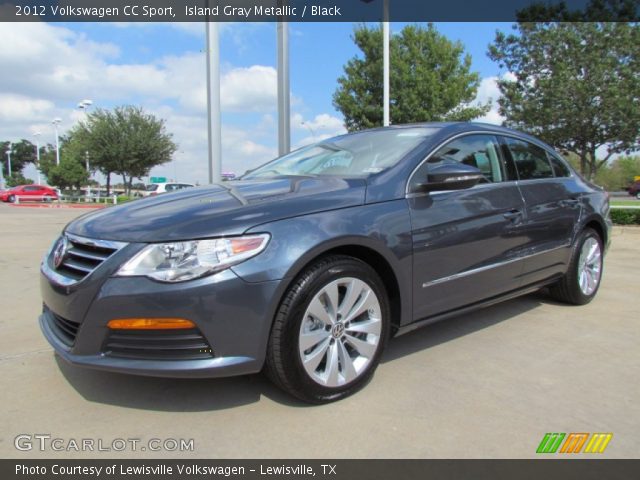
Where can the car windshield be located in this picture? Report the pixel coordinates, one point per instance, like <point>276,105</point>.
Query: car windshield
<point>355,155</point>
<point>151,188</point>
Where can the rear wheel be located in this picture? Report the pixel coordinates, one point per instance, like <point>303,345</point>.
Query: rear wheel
<point>330,331</point>
<point>581,282</point>
<point>12,198</point>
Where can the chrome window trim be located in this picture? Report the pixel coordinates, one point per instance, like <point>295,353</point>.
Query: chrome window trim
<point>489,267</point>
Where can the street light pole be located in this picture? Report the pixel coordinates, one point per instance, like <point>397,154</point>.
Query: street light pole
<point>84,106</point>
<point>214,117</point>
<point>37,135</point>
<point>385,65</point>
<point>284,115</point>
<point>8,152</point>
<point>56,122</point>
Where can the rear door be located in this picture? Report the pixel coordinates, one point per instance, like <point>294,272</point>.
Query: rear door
<point>552,208</point>
<point>467,244</point>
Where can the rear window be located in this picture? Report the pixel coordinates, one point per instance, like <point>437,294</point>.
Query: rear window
<point>531,161</point>
<point>559,167</point>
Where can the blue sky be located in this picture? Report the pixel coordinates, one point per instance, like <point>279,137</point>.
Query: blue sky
<point>162,68</point>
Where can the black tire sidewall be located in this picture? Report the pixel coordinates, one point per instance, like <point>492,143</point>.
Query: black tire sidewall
<point>311,286</point>
<point>11,199</point>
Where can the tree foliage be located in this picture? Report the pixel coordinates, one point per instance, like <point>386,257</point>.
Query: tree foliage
<point>126,141</point>
<point>575,85</point>
<point>595,11</point>
<point>71,173</point>
<point>17,178</point>
<point>430,79</point>
<point>22,153</point>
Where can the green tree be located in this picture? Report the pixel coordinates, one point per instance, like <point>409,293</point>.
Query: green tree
<point>430,79</point>
<point>126,141</point>
<point>575,85</point>
<point>22,153</point>
<point>18,179</point>
<point>71,173</point>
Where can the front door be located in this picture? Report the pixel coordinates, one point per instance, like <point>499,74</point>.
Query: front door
<point>467,244</point>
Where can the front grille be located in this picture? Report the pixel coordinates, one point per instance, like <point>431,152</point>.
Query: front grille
<point>158,345</point>
<point>64,329</point>
<point>84,255</point>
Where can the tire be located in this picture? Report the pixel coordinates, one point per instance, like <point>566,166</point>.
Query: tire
<point>341,357</point>
<point>47,198</point>
<point>582,281</point>
<point>638,195</point>
<point>11,199</point>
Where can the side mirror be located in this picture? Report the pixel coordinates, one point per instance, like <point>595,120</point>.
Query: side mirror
<point>452,176</point>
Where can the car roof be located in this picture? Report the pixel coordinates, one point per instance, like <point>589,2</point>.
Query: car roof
<point>452,128</point>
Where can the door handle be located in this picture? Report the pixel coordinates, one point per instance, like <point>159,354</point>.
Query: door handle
<point>513,215</point>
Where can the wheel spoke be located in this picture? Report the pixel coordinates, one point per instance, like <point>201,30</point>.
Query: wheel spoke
<point>312,360</point>
<point>364,348</point>
<point>366,326</point>
<point>593,250</point>
<point>332,296</point>
<point>310,339</point>
<point>332,365</point>
<point>317,310</point>
<point>348,370</point>
<point>367,300</point>
<point>354,289</point>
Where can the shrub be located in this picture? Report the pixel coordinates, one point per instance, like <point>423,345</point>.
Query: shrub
<point>625,216</point>
<point>124,199</point>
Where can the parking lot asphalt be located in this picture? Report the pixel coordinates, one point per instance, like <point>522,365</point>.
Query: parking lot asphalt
<point>488,384</point>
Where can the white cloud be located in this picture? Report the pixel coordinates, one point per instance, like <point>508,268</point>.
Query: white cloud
<point>48,69</point>
<point>488,91</point>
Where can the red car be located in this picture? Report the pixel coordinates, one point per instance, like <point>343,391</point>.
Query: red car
<point>29,193</point>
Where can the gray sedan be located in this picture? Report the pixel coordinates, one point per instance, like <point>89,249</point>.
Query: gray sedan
<point>306,266</point>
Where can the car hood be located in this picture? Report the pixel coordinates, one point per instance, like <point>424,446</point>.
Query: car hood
<point>228,208</point>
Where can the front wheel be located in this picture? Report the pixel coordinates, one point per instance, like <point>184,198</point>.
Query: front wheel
<point>330,331</point>
<point>581,282</point>
<point>12,198</point>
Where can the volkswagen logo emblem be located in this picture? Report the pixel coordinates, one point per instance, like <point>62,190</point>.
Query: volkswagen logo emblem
<point>337,330</point>
<point>60,251</point>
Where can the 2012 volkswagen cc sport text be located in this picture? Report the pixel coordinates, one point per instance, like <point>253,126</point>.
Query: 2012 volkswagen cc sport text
<point>307,265</point>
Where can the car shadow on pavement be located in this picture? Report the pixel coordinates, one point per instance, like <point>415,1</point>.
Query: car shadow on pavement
<point>196,395</point>
<point>456,327</point>
<point>171,394</point>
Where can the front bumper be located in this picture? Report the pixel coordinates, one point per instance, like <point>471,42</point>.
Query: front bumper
<point>231,315</point>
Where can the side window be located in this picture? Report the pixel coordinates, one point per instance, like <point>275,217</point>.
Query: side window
<point>531,161</point>
<point>480,151</point>
<point>559,167</point>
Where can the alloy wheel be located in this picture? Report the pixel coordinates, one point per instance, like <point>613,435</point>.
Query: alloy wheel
<point>589,266</point>
<point>340,332</point>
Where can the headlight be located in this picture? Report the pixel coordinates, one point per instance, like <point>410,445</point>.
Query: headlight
<point>180,261</point>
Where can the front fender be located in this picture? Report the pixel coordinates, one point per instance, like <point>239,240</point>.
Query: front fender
<point>383,228</point>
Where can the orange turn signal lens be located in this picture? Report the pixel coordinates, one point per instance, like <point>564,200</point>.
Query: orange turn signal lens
<point>149,323</point>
